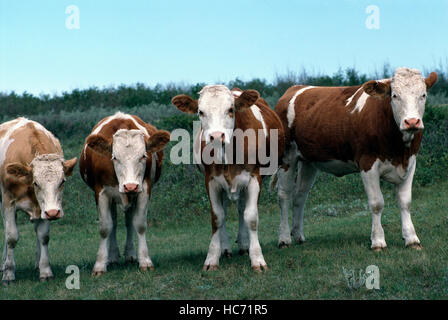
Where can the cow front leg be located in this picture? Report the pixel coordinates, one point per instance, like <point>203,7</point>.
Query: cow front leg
<point>140,224</point>
<point>129,250</point>
<point>251,220</point>
<point>114,252</point>
<point>106,225</point>
<point>11,239</point>
<point>371,181</point>
<point>217,217</point>
<point>404,197</point>
<point>305,179</point>
<point>42,228</point>
<point>243,232</point>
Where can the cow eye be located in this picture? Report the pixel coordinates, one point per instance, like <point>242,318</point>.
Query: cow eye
<point>394,96</point>
<point>113,158</point>
<point>424,96</point>
<point>62,183</point>
<point>36,185</point>
<point>144,157</point>
<point>230,110</point>
<point>201,113</point>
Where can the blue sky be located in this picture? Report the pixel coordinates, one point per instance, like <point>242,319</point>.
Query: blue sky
<point>157,41</point>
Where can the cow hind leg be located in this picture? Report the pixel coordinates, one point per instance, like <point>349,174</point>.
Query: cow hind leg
<point>371,183</point>
<point>114,252</point>
<point>129,250</point>
<point>42,228</point>
<point>305,179</point>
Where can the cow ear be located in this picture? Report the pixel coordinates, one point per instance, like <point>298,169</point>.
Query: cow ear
<point>185,103</point>
<point>100,145</point>
<point>69,165</point>
<point>431,80</point>
<point>377,89</point>
<point>246,99</point>
<point>20,171</point>
<point>157,141</point>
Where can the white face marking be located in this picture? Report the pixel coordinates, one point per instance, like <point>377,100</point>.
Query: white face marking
<point>291,114</point>
<point>408,96</point>
<point>120,115</point>
<point>48,180</point>
<point>129,157</point>
<point>214,104</point>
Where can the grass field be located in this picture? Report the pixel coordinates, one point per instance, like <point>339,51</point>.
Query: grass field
<point>337,227</point>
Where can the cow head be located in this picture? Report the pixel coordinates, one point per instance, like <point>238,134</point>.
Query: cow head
<point>128,150</point>
<point>216,108</point>
<point>407,90</point>
<point>46,175</point>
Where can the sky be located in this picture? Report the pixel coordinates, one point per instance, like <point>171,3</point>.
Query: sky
<point>186,42</point>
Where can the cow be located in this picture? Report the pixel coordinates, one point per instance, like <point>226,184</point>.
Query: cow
<point>222,112</point>
<point>121,161</point>
<point>32,176</point>
<point>374,129</point>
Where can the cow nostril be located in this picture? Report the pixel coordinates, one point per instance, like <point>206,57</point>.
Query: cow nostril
<point>130,187</point>
<point>53,214</point>
<point>212,138</point>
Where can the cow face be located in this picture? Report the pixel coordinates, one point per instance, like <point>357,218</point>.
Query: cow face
<point>128,151</point>
<point>46,175</point>
<point>407,90</point>
<point>216,108</point>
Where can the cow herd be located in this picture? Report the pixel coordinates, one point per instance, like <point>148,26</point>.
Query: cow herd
<point>374,129</point>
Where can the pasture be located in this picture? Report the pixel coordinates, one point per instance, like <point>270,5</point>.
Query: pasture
<point>337,228</point>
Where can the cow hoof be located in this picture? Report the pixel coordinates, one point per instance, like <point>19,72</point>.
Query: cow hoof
<point>227,254</point>
<point>243,252</point>
<point>283,245</point>
<point>131,260</point>
<point>210,267</point>
<point>7,283</point>
<point>378,249</point>
<point>416,246</point>
<point>45,279</point>
<point>260,268</point>
<point>97,274</point>
<point>146,268</point>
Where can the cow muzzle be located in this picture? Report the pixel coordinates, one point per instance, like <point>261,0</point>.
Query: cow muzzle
<point>53,214</point>
<point>413,124</point>
<point>217,137</point>
<point>130,188</point>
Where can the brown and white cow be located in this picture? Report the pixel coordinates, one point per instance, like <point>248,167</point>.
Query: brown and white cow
<point>32,176</point>
<point>222,112</point>
<point>121,161</point>
<point>374,129</point>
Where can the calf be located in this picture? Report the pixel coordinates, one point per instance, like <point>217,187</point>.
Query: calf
<point>32,176</point>
<point>121,161</point>
<point>374,129</point>
<point>221,113</point>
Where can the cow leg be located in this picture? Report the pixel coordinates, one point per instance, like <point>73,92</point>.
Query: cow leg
<point>305,179</point>
<point>286,177</point>
<point>140,223</point>
<point>226,250</point>
<point>243,231</point>
<point>106,225</point>
<point>42,228</point>
<point>11,239</point>
<point>371,181</point>
<point>129,251</point>
<point>218,216</point>
<point>114,252</point>
<point>251,220</point>
<point>404,197</point>
<point>37,255</point>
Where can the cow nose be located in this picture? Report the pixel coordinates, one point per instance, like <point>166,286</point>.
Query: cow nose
<point>130,187</point>
<point>412,124</point>
<point>217,136</point>
<point>53,214</point>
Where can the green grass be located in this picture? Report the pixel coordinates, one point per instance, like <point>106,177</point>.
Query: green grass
<point>337,228</point>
